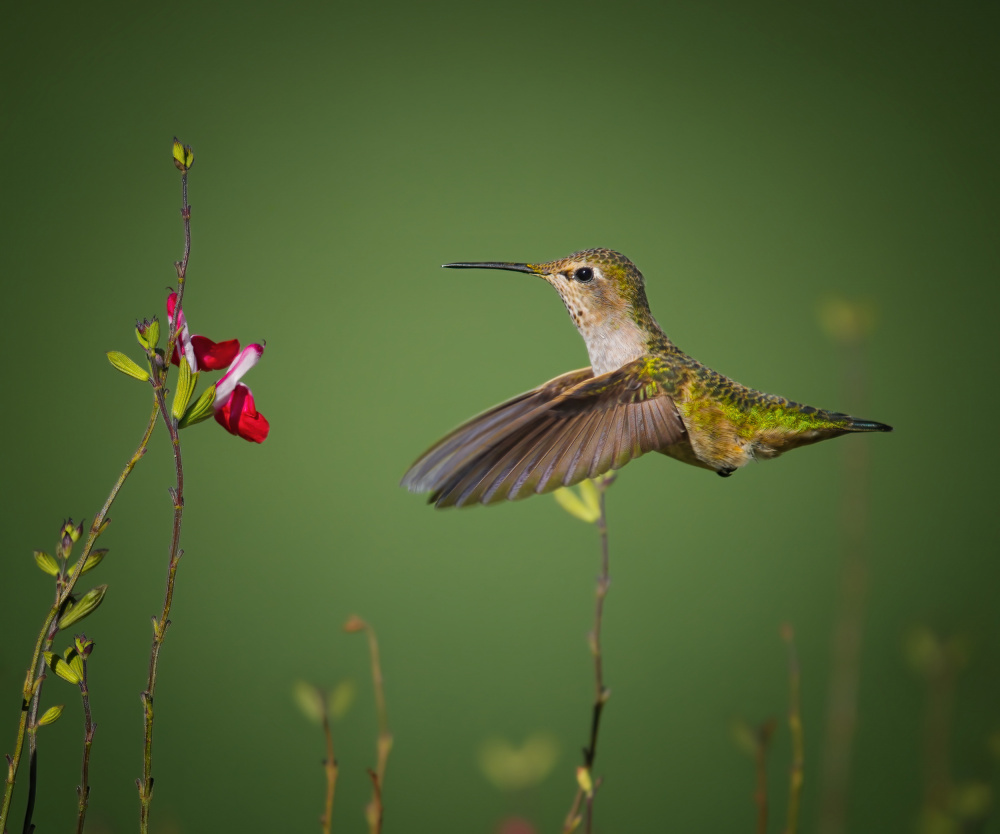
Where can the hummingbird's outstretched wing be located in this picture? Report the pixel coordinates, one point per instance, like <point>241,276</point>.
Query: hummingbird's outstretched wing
<point>574,427</point>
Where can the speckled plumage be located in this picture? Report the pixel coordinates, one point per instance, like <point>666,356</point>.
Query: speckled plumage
<point>641,394</point>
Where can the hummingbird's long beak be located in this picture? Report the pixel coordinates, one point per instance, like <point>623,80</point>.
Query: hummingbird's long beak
<point>529,268</point>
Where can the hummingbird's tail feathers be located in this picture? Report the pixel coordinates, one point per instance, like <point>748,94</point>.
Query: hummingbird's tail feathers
<point>457,448</point>
<point>583,431</point>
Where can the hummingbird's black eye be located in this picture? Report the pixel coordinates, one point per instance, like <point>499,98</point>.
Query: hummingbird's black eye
<point>584,274</point>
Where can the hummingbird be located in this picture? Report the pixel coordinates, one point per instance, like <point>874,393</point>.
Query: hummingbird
<point>640,394</point>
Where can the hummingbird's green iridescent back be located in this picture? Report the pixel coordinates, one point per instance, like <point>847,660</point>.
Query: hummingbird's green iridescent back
<point>640,394</point>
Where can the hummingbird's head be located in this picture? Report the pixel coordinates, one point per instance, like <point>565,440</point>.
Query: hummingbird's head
<point>605,296</point>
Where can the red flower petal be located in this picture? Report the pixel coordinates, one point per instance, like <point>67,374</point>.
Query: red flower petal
<point>239,416</point>
<point>214,356</point>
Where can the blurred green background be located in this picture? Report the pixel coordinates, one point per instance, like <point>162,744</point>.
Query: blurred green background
<point>752,159</point>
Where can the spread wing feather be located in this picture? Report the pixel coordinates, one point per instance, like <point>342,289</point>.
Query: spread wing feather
<point>577,426</point>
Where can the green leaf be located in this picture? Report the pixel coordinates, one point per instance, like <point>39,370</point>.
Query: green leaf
<point>183,156</point>
<point>46,563</point>
<point>585,506</point>
<point>84,606</point>
<point>309,700</point>
<point>201,410</point>
<point>75,660</point>
<point>62,668</point>
<point>50,716</point>
<point>93,560</point>
<point>342,698</point>
<point>186,382</point>
<point>120,361</point>
<point>148,333</point>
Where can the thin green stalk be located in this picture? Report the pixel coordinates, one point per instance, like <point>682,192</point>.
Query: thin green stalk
<point>384,742</point>
<point>330,767</point>
<point>32,729</point>
<point>762,739</point>
<point>374,810</point>
<point>181,267</point>
<point>853,324</point>
<point>795,774</point>
<point>89,728</point>
<point>145,784</point>
<point>588,788</point>
<point>31,681</point>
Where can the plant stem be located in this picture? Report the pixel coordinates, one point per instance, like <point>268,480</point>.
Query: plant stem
<point>29,808</point>
<point>160,625</point>
<point>31,678</point>
<point>181,267</point>
<point>852,593</point>
<point>89,728</point>
<point>330,766</point>
<point>374,809</point>
<point>601,693</point>
<point>763,742</point>
<point>795,726</point>
<point>384,742</point>
<point>145,784</point>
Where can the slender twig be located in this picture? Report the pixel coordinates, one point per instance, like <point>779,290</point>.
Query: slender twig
<point>89,728</point>
<point>29,808</point>
<point>329,766</point>
<point>849,620</point>
<point>160,625</point>
<point>384,743</point>
<point>601,692</point>
<point>181,267</point>
<point>795,773</point>
<point>762,743</point>
<point>941,677</point>
<point>31,682</point>
<point>374,810</point>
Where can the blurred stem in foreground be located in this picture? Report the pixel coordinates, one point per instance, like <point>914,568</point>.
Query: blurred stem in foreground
<point>330,768</point>
<point>848,324</point>
<point>756,742</point>
<point>374,810</point>
<point>590,507</point>
<point>795,774</point>
<point>321,707</point>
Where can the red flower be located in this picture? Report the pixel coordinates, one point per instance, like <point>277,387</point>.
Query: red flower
<point>234,406</point>
<point>201,352</point>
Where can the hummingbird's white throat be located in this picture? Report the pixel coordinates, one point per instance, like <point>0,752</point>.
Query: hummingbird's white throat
<point>602,317</point>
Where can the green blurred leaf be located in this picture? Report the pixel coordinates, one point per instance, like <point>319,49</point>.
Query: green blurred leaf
<point>309,700</point>
<point>84,606</point>
<point>512,768</point>
<point>342,698</point>
<point>585,506</point>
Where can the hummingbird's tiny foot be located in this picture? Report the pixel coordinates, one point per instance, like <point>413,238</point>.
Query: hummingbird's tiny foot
<point>726,471</point>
